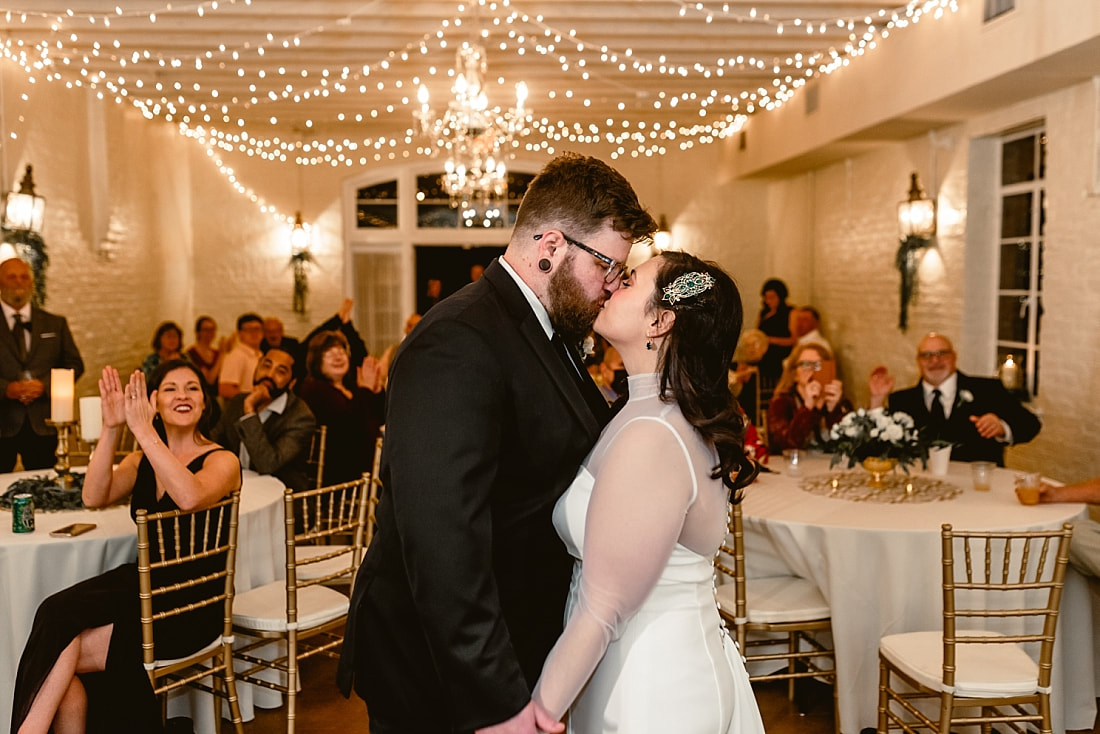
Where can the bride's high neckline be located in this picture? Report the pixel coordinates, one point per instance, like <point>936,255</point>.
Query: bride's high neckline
<point>642,386</point>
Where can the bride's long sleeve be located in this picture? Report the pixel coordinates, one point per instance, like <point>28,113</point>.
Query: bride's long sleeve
<point>642,491</point>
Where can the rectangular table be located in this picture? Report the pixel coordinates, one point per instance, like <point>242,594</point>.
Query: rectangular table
<point>878,566</point>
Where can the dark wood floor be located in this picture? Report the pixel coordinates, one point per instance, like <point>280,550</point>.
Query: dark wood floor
<point>322,710</point>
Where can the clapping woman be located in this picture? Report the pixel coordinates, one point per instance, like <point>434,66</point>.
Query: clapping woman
<point>808,400</point>
<point>94,627</point>
<point>353,414</point>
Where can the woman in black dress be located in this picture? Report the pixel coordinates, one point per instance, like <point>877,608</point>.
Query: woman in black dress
<point>775,317</point>
<point>353,414</point>
<point>81,668</point>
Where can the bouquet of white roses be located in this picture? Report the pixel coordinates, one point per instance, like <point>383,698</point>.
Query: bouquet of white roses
<point>878,433</point>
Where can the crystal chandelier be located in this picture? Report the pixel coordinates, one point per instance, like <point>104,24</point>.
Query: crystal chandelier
<point>474,137</point>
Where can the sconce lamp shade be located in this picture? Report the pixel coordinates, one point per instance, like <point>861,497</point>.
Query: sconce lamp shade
<point>662,238</point>
<point>917,214</point>
<point>23,210</point>
<point>300,235</point>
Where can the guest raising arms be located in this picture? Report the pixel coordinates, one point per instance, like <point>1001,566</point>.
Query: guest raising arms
<point>804,407</point>
<point>353,416</point>
<point>644,649</point>
<point>95,625</point>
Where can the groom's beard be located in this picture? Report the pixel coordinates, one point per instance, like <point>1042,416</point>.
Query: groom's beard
<point>571,312</point>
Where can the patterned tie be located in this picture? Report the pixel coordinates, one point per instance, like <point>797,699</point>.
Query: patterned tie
<point>938,417</point>
<point>20,335</point>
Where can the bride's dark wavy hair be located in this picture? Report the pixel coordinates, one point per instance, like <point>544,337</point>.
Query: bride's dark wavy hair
<point>694,363</point>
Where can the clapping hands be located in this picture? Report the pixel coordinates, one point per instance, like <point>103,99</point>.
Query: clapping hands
<point>369,375</point>
<point>131,405</point>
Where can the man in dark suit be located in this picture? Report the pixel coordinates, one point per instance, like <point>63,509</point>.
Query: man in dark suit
<point>269,428</point>
<point>976,414</point>
<point>32,342</point>
<point>489,414</point>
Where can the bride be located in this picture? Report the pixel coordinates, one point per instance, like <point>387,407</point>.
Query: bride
<point>644,649</point>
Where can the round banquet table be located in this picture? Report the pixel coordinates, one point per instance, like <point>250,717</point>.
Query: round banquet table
<point>878,565</point>
<point>35,565</point>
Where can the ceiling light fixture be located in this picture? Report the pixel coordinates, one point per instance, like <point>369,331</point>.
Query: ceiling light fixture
<point>474,137</point>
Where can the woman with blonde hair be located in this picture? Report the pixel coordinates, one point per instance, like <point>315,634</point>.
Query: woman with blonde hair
<point>808,400</point>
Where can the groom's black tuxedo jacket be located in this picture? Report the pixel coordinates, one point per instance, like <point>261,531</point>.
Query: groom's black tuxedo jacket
<point>462,592</point>
<point>974,396</point>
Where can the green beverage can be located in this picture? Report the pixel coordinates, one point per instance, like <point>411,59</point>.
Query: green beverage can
<point>22,513</point>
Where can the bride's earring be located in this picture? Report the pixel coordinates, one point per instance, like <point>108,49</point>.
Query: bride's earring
<point>648,346</point>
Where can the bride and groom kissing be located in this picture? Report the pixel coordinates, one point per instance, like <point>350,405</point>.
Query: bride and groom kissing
<point>505,587</point>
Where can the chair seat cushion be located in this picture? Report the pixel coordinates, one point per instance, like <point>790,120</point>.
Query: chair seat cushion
<point>775,600</point>
<point>336,564</point>
<point>264,608</point>
<point>981,671</point>
<point>207,650</point>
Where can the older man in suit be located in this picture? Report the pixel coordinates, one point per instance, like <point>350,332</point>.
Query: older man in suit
<point>32,342</point>
<point>976,414</point>
<point>489,414</point>
<point>269,428</point>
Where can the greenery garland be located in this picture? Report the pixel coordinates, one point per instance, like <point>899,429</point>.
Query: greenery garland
<point>48,497</point>
<point>30,246</point>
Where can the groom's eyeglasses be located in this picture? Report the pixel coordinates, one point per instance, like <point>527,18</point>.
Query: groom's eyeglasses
<point>615,269</point>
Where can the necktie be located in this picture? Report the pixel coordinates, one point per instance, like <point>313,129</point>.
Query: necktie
<point>938,417</point>
<point>19,333</point>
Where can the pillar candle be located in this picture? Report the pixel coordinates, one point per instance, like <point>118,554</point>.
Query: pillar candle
<point>91,418</point>
<point>61,395</point>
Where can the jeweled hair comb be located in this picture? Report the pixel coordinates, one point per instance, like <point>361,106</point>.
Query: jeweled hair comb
<point>686,286</point>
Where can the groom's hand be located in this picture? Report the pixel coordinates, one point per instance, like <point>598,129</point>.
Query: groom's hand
<point>524,723</point>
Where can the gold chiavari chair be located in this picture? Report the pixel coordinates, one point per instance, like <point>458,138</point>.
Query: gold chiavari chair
<point>303,611</point>
<point>316,457</point>
<point>177,552</point>
<point>767,607</point>
<point>1008,579</point>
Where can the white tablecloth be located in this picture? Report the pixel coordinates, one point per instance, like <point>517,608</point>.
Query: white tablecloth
<point>34,565</point>
<point>878,565</point>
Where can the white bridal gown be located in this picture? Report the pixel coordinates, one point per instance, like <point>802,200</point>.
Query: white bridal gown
<point>644,649</point>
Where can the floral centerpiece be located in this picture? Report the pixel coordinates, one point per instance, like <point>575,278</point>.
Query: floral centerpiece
<point>877,434</point>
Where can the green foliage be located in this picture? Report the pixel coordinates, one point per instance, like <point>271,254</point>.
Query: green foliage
<point>47,495</point>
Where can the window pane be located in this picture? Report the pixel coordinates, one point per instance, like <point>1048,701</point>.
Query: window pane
<point>1039,281</point>
<point>1042,212</point>
<point>1016,266</point>
<point>1016,215</point>
<point>1018,161</point>
<point>517,187</point>
<point>1042,155</point>
<point>1012,318</point>
<point>376,206</point>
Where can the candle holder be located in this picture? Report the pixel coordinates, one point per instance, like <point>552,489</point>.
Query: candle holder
<point>64,475</point>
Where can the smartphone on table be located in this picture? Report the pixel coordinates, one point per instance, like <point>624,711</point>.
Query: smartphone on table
<point>69,531</point>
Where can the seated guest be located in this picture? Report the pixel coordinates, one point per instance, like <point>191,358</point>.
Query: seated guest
<point>167,343</point>
<point>240,364</point>
<point>203,354</point>
<point>342,322</point>
<point>744,374</point>
<point>807,402</point>
<point>269,428</point>
<point>353,416</point>
<point>976,414</point>
<point>1084,548</point>
<point>806,327</point>
<point>95,625</point>
<point>275,338</point>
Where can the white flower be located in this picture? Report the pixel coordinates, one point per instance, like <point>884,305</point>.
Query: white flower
<point>965,396</point>
<point>588,346</point>
<point>875,432</point>
<point>893,433</point>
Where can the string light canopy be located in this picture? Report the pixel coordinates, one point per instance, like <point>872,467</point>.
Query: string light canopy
<point>239,76</point>
<point>475,138</point>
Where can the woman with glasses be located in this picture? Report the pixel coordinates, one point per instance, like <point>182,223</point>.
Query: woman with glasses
<point>808,400</point>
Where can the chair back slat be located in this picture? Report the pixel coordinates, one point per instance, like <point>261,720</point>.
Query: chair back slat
<point>315,459</point>
<point>317,516</point>
<point>1021,582</point>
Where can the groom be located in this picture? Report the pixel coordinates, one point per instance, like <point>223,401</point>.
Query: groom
<point>462,592</point>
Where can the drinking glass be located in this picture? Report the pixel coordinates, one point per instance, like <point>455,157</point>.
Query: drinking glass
<point>1027,487</point>
<point>982,473</point>
<point>793,458</point>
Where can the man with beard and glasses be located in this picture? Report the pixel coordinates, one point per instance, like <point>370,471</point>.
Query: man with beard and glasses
<point>269,428</point>
<point>489,413</point>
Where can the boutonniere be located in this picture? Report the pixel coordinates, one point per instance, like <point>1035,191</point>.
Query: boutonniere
<point>588,347</point>
<point>965,396</point>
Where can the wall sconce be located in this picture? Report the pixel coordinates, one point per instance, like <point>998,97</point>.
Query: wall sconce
<point>662,238</point>
<point>23,209</point>
<point>301,256</point>
<point>916,228</point>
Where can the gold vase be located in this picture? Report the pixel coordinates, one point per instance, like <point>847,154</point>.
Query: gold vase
<point>879,468</point>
